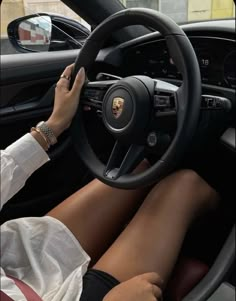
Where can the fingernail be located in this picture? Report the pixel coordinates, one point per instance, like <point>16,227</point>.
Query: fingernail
<point>81,72</point>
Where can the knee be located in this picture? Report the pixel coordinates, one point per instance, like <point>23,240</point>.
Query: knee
<point>193,186</point>
<point>187,177</point>
<point>177,184</point>
<point>190,180</point>
<point>184,185</point>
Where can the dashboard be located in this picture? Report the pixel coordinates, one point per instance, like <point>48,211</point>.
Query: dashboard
<point>216,57</point>
<point>214,44</point>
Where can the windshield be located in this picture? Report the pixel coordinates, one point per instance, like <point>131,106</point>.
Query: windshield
<point>183,11</point>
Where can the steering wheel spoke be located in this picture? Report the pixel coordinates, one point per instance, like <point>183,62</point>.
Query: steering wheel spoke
<point>123,159</point>
<point>165,104</point>
<point>93,93</point>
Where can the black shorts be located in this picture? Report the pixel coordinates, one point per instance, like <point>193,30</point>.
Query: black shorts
<point>96,285</point>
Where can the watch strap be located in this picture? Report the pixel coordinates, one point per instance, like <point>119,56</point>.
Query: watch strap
<point>47,132</point>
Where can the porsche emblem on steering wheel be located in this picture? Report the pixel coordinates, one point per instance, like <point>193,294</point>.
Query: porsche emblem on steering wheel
<point>117,106</point>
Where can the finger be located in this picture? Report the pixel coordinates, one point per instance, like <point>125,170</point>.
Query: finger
<point>64,81</point>
<point>157,292</point>
<point>153,278</point>
<point>78,83</point>
<point>69,69</point>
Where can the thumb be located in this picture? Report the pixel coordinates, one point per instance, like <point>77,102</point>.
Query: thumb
<point>78,83</point>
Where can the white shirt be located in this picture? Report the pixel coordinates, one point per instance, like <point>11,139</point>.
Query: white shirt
<point>40,251</point>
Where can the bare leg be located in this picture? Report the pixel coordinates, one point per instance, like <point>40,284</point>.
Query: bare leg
<point>97,213</point>
<point>152,240</point>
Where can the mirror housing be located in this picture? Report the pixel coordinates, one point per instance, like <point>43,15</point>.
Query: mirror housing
<point>46,32</point>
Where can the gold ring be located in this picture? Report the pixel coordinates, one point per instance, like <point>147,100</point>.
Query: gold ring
<point>65,76</point>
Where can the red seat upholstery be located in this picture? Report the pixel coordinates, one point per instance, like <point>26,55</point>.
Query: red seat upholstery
<point>187,273</point>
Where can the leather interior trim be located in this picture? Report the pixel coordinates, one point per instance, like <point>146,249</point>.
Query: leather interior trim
<point>34,65</point>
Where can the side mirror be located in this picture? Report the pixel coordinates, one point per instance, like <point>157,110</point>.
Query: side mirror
<point>31,33</point>
<point>44,32</point>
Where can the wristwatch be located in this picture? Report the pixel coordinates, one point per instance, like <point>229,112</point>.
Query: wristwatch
<point>46,132</point>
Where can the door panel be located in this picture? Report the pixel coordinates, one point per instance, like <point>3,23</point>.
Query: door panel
<point>34,65</point>
<point>27,93</point>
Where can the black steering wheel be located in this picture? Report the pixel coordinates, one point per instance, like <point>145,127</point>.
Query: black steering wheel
<point>131,106</point>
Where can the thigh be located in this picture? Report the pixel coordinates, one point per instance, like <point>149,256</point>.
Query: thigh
<point>97,213</point>
<point>152,240</point>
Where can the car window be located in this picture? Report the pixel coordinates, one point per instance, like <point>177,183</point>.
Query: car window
<point>69,31</point>
<point>183,11</point>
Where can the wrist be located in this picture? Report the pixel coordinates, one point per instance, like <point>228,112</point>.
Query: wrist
<point>40,140</point>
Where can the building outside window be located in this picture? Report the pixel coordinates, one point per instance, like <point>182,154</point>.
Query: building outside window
<point>13,9</point>
<point>179,10</point>
<point>188,10</point>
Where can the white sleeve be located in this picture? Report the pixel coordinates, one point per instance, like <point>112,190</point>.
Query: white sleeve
<point>18,162</point>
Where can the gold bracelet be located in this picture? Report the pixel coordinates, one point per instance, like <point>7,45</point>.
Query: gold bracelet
<point>33,129</point>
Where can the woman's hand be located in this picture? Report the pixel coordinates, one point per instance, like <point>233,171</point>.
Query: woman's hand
<point>145,287</point>
<point>66,101</point>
